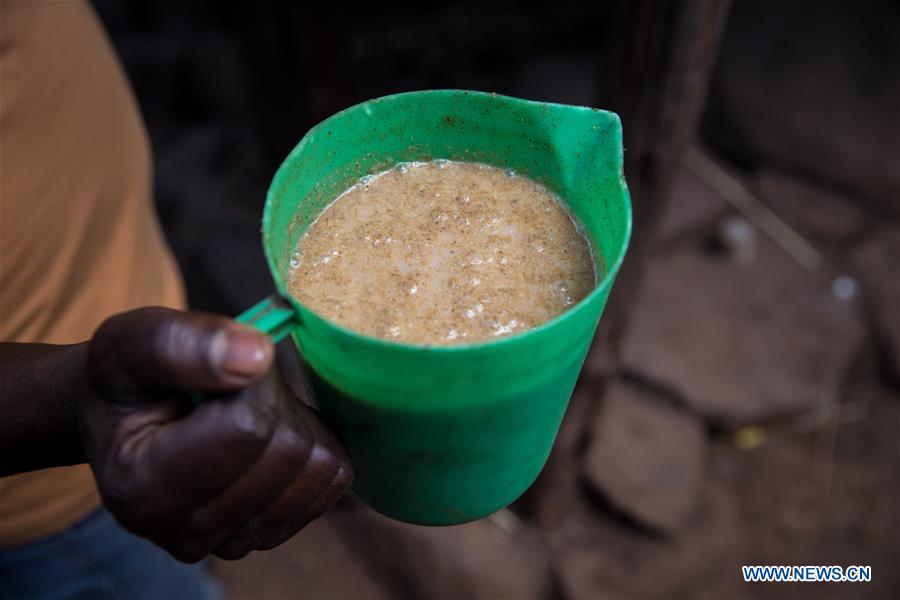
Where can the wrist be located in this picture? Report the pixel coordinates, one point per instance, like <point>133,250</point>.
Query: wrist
<point>41,387</point>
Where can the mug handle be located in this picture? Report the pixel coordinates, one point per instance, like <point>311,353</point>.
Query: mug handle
<point>272,315</point>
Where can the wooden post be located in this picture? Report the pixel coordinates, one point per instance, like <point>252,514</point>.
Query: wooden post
<point>659,57</point>
<point>656,77</point>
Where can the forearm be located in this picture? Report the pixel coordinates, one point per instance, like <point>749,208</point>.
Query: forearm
<point>40,385</point>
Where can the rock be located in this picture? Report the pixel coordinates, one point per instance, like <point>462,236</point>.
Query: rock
<point>797,499</point>
<point>738,238</point>
<point>647,458</point>
<point>692,205</point>
<point>877,266</point>
<point>316,563</point>
<point>495,557</point>
<point>818,213</point>
<point>741,344</point>
<point>612,562</point>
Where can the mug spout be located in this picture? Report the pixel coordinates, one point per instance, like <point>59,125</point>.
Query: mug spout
<point>588,141</point>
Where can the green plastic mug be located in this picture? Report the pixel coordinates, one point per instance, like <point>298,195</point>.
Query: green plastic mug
<point>439,435</point>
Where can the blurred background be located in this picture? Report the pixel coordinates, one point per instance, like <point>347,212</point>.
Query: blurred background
<point>741,404</point>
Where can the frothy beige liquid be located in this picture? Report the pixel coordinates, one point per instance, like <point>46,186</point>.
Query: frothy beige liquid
<point>442,253</point>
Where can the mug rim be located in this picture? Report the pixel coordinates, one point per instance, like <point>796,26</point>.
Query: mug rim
<point>601,287</point>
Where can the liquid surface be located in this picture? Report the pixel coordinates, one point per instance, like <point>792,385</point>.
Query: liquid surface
<point>442,253</point>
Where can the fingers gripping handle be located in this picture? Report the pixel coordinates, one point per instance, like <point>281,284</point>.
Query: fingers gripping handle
<point>272,315</point>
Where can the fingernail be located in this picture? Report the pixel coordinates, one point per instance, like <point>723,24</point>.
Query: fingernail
<point>241,351</point>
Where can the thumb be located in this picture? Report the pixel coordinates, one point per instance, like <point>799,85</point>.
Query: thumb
<point>163,349</point>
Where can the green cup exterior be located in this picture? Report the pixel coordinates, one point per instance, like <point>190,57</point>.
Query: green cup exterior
<point>440,435</point>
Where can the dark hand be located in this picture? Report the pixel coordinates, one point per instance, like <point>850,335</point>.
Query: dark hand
<point>245,470</point>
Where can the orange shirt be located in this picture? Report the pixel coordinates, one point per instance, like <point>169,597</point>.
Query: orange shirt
<point>79,239</point>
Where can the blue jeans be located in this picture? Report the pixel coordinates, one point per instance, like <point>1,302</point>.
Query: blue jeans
<point>97,559</point>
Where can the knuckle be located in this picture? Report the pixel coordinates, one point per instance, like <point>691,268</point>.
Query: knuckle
<point>245,540</point>
<point>324,459</point>
<point>343,479</point>
<point>292,448</point>
<point>250,426</point>
<point>340,481</point>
